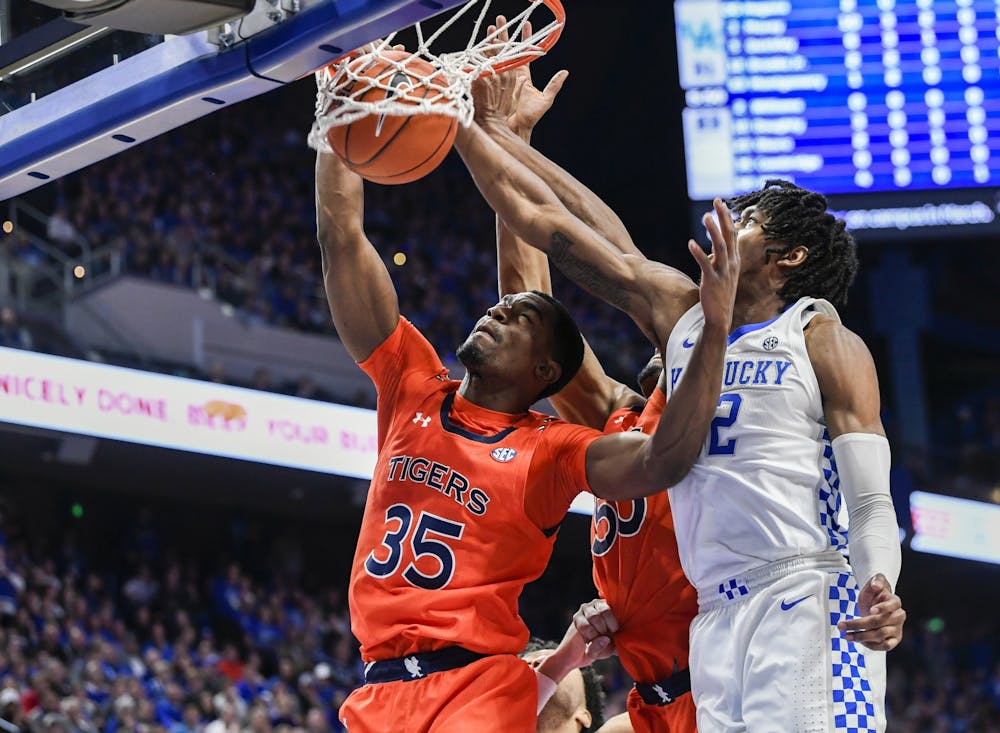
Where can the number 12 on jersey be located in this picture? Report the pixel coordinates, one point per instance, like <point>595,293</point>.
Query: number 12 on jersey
<point>421,544</point>
<point>716,446</point>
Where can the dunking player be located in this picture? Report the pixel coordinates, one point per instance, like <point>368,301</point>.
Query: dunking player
<point>636,565</point>
<point>470,486</point>
<point>777,644</point>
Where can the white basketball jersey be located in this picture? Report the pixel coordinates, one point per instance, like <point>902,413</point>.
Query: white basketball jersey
<point>765,486</point>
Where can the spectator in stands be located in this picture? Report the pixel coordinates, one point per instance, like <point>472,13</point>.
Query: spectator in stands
<point>12,333</point>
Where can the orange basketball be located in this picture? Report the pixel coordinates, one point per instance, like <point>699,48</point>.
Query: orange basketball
<point>394,148</point>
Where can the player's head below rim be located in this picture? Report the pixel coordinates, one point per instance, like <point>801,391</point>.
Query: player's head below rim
<point>528,341</point>
<point>578,704</point>
<point>792,245</point>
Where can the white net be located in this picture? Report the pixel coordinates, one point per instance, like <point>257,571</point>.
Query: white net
<point>385,80</point>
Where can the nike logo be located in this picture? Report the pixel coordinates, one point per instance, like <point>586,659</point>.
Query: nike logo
<point>793,604</point>
<point>687,344</point>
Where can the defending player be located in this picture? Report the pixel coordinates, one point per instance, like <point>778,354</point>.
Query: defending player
<point>470,486</point>
<point>636,565</point>
<point>777,644</point>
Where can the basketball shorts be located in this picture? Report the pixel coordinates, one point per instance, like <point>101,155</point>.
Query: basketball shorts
<point>766,654</point>
<point>498,692</point>
<point>677,717</point>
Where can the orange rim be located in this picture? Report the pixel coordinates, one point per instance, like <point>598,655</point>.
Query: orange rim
<point>548,42</point>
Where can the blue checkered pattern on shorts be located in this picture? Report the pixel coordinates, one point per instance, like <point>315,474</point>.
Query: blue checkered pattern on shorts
<point>830,497</point>
<point>853,706</point>
<point>732,589</point>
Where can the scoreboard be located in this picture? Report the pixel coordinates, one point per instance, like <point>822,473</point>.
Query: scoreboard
<point>899,98</point>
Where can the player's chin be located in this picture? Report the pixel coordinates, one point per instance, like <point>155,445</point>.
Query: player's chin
<point>471,353</point>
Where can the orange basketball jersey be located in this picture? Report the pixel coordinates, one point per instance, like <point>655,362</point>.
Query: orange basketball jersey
<point>462,510</point>
<point>638,572</point>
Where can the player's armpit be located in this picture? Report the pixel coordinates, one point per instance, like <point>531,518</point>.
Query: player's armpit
<point>591,397</point>
<point>617,468</point>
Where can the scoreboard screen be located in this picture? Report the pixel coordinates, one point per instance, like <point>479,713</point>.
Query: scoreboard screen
<point>895,98</point>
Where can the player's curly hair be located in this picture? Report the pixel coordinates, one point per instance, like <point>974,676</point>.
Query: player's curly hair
<point>593,691</point>
<point>567,345</point>
<point>797,216</point>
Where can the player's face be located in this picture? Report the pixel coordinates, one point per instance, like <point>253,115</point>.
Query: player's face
<point>514,335</point>
<point>750,236</point>
<point>566,711</point>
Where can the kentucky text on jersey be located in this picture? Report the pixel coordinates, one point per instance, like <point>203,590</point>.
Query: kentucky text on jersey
<point>745,372</point>
<point>441,478</point>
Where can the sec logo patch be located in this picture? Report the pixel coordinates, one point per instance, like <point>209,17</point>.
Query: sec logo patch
<point>503,455</point>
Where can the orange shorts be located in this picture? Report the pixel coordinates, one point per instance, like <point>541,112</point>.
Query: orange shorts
<point>498,692</point>
<point>677,717</point>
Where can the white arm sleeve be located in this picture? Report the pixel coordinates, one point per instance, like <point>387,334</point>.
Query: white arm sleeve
<point>873,538</point>
<point>546,689</point>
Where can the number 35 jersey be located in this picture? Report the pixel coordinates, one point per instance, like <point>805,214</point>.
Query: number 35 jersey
<point>765,486</point>
<point>462,510</point>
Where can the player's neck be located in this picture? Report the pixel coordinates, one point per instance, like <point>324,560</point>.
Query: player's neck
<point>488,394</point>
<point>756,308</point>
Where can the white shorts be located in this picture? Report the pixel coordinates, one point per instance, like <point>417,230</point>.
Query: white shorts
<point>766,654</point>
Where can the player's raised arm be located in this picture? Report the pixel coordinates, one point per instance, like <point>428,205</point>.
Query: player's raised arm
<point>849,385</point>
<point>362,298</point>
<point>628,465</point>
<point>535,214</point>
<point>591,397</point>
<point>679,293</point>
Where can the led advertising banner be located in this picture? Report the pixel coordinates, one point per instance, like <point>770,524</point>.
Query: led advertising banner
<point>185,414</point>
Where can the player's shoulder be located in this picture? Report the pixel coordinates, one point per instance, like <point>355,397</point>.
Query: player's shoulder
<point>832,345</point>
<point>828,330</point>
<point>554,428</point>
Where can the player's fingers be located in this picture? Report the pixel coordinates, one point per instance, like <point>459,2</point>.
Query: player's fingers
<point>701,257</point>
<point>727,227</point>
<point>714,233</point>
<point>887,620</point>
<point>504,34</point>
<point>526,30</point>
<point>879,639</point>
<point>583,625</point>
<point>555,85</point>
<point>600,648</point>
<point>608,618</point>
<point>598,620</point>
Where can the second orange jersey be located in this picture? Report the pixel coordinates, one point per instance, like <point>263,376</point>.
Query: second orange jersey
<point>637,569</point>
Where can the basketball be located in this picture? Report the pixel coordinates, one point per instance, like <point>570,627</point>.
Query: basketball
<point>394,149</point>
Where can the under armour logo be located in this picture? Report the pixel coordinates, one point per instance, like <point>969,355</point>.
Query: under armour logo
<point>424,421</point>
<point>619,420</point>
<point>412,665</point>
<point>664,695</point>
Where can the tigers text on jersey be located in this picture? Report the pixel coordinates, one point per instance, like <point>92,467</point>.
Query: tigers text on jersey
<point>462,511</point>
<point>637,570</point>
<point>765,486</point>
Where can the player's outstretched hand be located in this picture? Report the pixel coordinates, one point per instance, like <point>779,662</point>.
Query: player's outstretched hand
<point>530,103</point>
<point>881,617</point>
<point>720,271</point>
<point>511,95</point>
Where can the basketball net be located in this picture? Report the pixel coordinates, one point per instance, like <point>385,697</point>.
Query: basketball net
<point>442,85</point>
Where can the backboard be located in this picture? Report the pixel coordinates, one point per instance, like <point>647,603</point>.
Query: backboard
<point>73,94</point>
